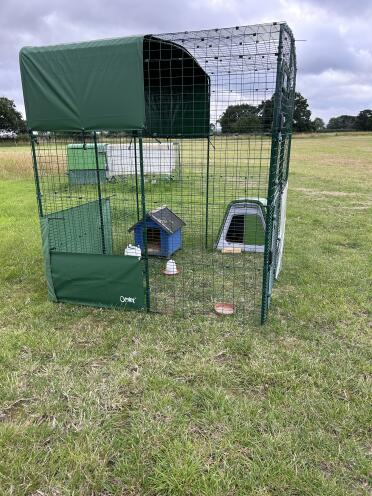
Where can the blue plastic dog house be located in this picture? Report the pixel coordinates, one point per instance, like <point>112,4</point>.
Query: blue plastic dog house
<point>164,232</point>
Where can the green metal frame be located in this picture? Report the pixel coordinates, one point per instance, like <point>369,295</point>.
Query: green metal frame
<point>208,199</point>
<point>36,175</point>
<point>99,192</point>
<point>144,233</point>
<point>207,194</point>
<point>279,160</point>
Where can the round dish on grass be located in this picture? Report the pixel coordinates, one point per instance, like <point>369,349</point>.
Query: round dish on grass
<point>171,268</point>
<point>224,308</point>
<point>171,273</point>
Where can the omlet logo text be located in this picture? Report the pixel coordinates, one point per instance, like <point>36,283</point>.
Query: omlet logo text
<point>127,299</point>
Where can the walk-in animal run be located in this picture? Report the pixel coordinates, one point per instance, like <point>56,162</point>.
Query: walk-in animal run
<point>161,167</point>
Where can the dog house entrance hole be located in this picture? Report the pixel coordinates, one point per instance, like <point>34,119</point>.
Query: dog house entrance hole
<point>235,232</point>
<point>153,240</point>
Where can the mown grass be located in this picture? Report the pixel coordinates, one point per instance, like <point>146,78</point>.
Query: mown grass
<point>97,402</point>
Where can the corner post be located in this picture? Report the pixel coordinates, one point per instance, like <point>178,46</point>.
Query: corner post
<point>136,172</point>
<point>99,194</point>
<point>272,186</point>
<point>207,195</point>
<point>36,175</point>
<point>144,228</point>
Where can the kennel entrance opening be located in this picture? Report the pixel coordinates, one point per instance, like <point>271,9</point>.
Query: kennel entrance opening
<point>153,240</point>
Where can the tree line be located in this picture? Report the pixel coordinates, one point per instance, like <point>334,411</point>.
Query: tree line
<point>245,118</point>
<point>360,122</point>
<point>242,118</point>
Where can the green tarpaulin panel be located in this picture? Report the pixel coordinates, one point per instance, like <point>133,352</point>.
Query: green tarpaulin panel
<point>108,281</point>
<point>78,229</point>
<point>135,83</point>
<point>176,91</point>
<point>92,85</point>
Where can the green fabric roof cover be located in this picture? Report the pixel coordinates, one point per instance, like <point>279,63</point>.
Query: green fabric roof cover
<point>119,84</point>
<point>176,91</point>
<point>92,85</point>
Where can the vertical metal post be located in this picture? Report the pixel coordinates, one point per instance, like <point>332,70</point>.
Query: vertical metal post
<point>99,194</point>
<point>136,172</point>
<point>207,196</point>
<point>275,139</point>
<point>144,228</point>
<point>208,96</point>
<point>36,175</point>
<point>290,116</point>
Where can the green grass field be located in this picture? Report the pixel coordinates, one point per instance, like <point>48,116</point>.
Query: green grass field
<point>102,402</point>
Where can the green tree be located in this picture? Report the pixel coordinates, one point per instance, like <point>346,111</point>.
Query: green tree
<point>265,110</point>
<point>301,114</point>
<point>318,124</point>
<point>10,118</point>
<point>242,118</point>
<point>342,122</point>
<point>363,121</point>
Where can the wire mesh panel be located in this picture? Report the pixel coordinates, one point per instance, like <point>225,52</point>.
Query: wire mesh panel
<point>197,193</point>
<point>281,127</point>
<point>225,177</point>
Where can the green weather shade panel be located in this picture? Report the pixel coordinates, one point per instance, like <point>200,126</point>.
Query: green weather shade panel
<point>75,230</point>
<point>116,84</point>
<point>176,91</point>
<point>84,86</point>
<point>79,229</point>
<point>107,281</point>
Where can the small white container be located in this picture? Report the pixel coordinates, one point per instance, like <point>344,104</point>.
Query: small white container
<point>171,268</point>
<point>133,251</point>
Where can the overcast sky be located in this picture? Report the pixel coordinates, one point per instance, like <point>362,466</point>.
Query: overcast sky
<point>334,63</point>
